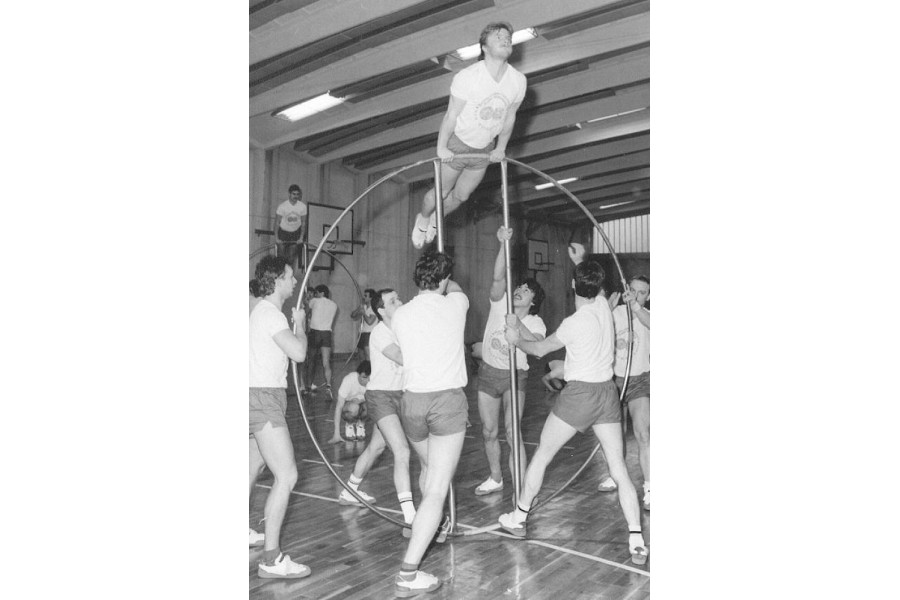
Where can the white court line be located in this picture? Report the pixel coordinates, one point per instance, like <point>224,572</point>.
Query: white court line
<point>319,462</point>
<point>497,533</point>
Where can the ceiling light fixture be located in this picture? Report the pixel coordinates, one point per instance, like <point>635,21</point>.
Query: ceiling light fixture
<point>473,51</point>
<point>612,205</point>
<point>309,107</point>
<point>544,186</point>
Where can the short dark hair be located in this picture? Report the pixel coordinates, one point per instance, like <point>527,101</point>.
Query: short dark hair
<point>589,277</point>
<point>268,269</point>
<point>538,292</point>
<point>364,368</point>
<point>294,188</point>
<point>323,289</point>
<point>370,292</point>
<point>431,269</point>
<point>378,301</point>
<point>488,30</point>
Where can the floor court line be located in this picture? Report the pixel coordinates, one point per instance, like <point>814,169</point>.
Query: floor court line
<point>496,533</point>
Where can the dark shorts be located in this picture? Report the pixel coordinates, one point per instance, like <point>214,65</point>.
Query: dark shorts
<point>456,146</point>
<point>383,403</point>
<point>267,405</point>
<point>494,382</point>
<point>363,340</point>
<point>582,404</point>
<point>638,386</point>
<point>289,236</point>
<point>319,339</point>
<point>444,412</point>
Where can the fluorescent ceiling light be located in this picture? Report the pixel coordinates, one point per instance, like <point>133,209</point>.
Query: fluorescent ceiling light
<point>544,186</point>
<point>611,205</point>
<point>627,112</point>
<point>473,51</point>
<point>309,107</point>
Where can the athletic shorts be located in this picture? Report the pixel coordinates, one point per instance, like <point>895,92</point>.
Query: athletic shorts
<point>319,339</point>
<point>457,146</point>
<point>289,236</point>
<point>383,403</point>
<point>638,386</point>
<point>437,413</point>
<point>494,382</point>
<point>363,342</point>
<point>582,404</point>
<point>267,405</point>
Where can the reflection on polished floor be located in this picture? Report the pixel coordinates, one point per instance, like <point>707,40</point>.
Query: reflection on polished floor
<point>576,545</point>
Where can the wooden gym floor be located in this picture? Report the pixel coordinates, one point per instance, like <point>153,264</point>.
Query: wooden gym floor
<point>576,545</point>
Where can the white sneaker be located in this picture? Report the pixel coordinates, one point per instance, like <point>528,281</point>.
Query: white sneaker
<point>489,486</point>
<point>419,231</point>
<point>646,497</point>
<point>431,231</point>
<point>424,582</point>
<point>347,499</point>
<point>257,539</point>
<point>349,432</point>
<point>508,523</point>
<point>607,485</point>
<point>284,568</point>
<point>360,430</point>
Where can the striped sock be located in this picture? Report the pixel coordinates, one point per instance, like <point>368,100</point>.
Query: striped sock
<point>354,482</point>
<point>408,571</point>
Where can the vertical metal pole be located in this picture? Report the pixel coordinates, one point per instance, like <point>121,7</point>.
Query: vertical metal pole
<point>513,380</point>
<point>439,221</point>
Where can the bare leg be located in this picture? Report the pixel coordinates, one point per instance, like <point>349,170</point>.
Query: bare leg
<point>392,431</point>
<point>639,408</point>
<point>256,463</point>
<point>449,175</point>
<point>369,455</point>
<point>610,436</point>
<point>278,452</point>
<point>489,411</point>
<point>555,434</point>
<point>441,455</point>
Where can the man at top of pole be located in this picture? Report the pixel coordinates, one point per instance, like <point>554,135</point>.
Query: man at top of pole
<point>484,98</point>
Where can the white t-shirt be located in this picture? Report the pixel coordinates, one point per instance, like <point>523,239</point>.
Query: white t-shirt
<point>351,389</point>
<point>494,348</point>
<point>291,215</point>
<point>640,353</point>
<point>430,329</point>
<point>487,102</point>
<point>268,362</point>
<point>386,374</point>
<point>588,336</point>
<point>365,327</point>
<point>321,313</point>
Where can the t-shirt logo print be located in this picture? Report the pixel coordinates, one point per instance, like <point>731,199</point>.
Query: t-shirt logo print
<point>491,111</point>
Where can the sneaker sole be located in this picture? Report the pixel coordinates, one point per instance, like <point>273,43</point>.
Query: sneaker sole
<point>354,502</point>
<point>402,592</point>
<point>639,558</point>
<point>485,493</point>
<point>519,533</point>
<point>258,544</point>
<point>266,575</point>
<point>607,490</point>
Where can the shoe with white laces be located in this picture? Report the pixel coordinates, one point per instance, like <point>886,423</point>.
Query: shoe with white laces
<point>349,432</point>
<point>423,583</point>
<point>489,486</point>
<point>646,497</point>
<point>607,485</point>
<point>257,539</point>
<point>284,568</point>
<point>431,231</point>
<point>347,499</point>
<point>360,430</point>
<point>419,231</point>
<point>511,526</point>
